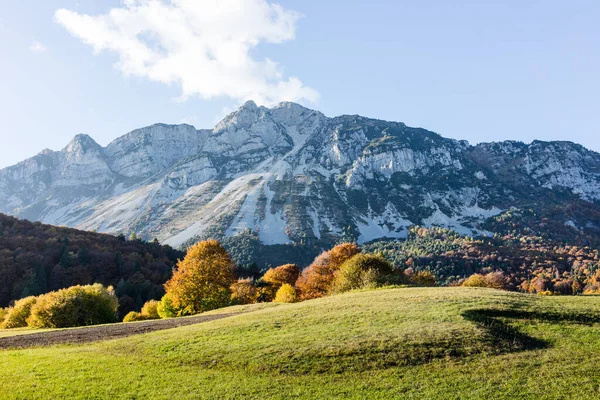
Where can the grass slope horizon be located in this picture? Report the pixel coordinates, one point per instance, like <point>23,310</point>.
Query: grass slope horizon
<point>396,342</point>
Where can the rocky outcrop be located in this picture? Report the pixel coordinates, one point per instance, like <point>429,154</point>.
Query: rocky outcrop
<point>291,174</point>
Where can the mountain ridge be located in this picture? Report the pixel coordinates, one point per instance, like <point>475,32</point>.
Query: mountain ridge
<point>293,175</point>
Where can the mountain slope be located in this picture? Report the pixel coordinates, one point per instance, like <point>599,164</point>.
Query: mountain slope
<point>291,174</point>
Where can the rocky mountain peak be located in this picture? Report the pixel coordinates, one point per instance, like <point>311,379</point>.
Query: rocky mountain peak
<point>291,174</point>
<point>82,143</point>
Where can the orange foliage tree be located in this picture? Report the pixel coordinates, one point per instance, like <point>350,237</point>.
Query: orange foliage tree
<point>316,280</point>
<point>277,277</point>
<point>202,279</point>
<point>244,292</point>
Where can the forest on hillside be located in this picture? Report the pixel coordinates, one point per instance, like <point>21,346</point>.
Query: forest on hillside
<point>530,263</point>
<point>36,258</point>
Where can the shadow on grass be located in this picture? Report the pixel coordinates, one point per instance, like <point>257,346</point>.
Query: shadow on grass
<point>501,337</point>
<point>502,334</point>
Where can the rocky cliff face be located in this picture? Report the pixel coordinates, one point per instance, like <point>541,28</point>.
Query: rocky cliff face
<point>291,174</point>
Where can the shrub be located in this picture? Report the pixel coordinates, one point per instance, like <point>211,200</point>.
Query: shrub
<point>475,280</point>
<point>538,285</point>
<point>423,278</point>
<point>494,280</point>
<point>546,293</point>
<point>75,306</point>
<point>244,292</point>
<point>3,314</point>
<point>202,280</point>
<point>285,294</point>
<point>276,277</point>
<point>592,289</point>
<point>17,315</point>
<point>316,280</point>
<point>362,271</point>
<point>133,316</point>
<point>150,309</point>
<point>165,308</point>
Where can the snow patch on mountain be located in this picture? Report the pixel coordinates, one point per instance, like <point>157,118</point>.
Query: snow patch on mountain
<point>290,174</point>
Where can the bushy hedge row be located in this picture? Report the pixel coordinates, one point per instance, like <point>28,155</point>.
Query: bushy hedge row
<point>74,306</point>
<point>149,311</point>
<point>16,316</point>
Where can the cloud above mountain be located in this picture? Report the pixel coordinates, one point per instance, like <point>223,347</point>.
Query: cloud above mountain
<point>203,46</point>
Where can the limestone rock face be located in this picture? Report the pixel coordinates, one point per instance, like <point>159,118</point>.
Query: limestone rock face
<point>291,174</point>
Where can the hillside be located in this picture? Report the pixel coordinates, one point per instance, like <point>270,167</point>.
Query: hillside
<point>530,263</point>
<point>37,258</point>
<point>408,342</point>
<point>291,175</point>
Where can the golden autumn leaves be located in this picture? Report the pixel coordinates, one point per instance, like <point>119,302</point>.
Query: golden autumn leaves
<point>205,279</point>
<point>202,279</point>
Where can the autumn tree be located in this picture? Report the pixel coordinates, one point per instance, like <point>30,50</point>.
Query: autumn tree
<point>74,306</point>
<point>3,314</point>
<point>202,280</point>
<point>363,271</point>
<point>18,314</point>
<point>495,280</point>
<point>475,280</point>
<point>244,292</point>
<point>276,277</point>
<point>423,278</point>
<point>165,308</point>
<point>285,294</point>
<point>149,311</point>
<point>315,281</point>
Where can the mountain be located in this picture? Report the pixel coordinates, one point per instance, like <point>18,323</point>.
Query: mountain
<point>289,174</point>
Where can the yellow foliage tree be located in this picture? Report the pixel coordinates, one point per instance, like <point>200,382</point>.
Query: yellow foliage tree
<point>285,294</point>
<point>17,315</point>
<point>494,280</point>
<point>150,309</point>
<point>3,314</point>
<point>135,316</point>
<point>74,306</point>
<point>276,277</point>
<point>475,280</point>
<point>202,279</point>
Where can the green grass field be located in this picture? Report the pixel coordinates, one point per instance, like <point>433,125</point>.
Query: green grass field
<point>442,343</point>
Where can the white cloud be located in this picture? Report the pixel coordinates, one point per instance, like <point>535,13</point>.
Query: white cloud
<point>203,46</point>
<point>37,48</point>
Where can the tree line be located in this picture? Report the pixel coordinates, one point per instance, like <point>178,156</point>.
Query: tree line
<point>36,258</point>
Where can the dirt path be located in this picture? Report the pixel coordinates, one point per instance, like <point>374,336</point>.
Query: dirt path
<point>103,332</point>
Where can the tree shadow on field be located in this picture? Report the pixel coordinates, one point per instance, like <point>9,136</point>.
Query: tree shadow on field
<point>501,334</point>
<point>501,329</point>
<point>501,337</point>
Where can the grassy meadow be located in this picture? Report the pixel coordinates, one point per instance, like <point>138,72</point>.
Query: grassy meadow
<point>443,343</point>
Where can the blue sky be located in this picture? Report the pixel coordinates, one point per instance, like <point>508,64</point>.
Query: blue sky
<point>474,70</point>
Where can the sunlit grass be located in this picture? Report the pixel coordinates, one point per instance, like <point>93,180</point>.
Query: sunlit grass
<point>394,343</point>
